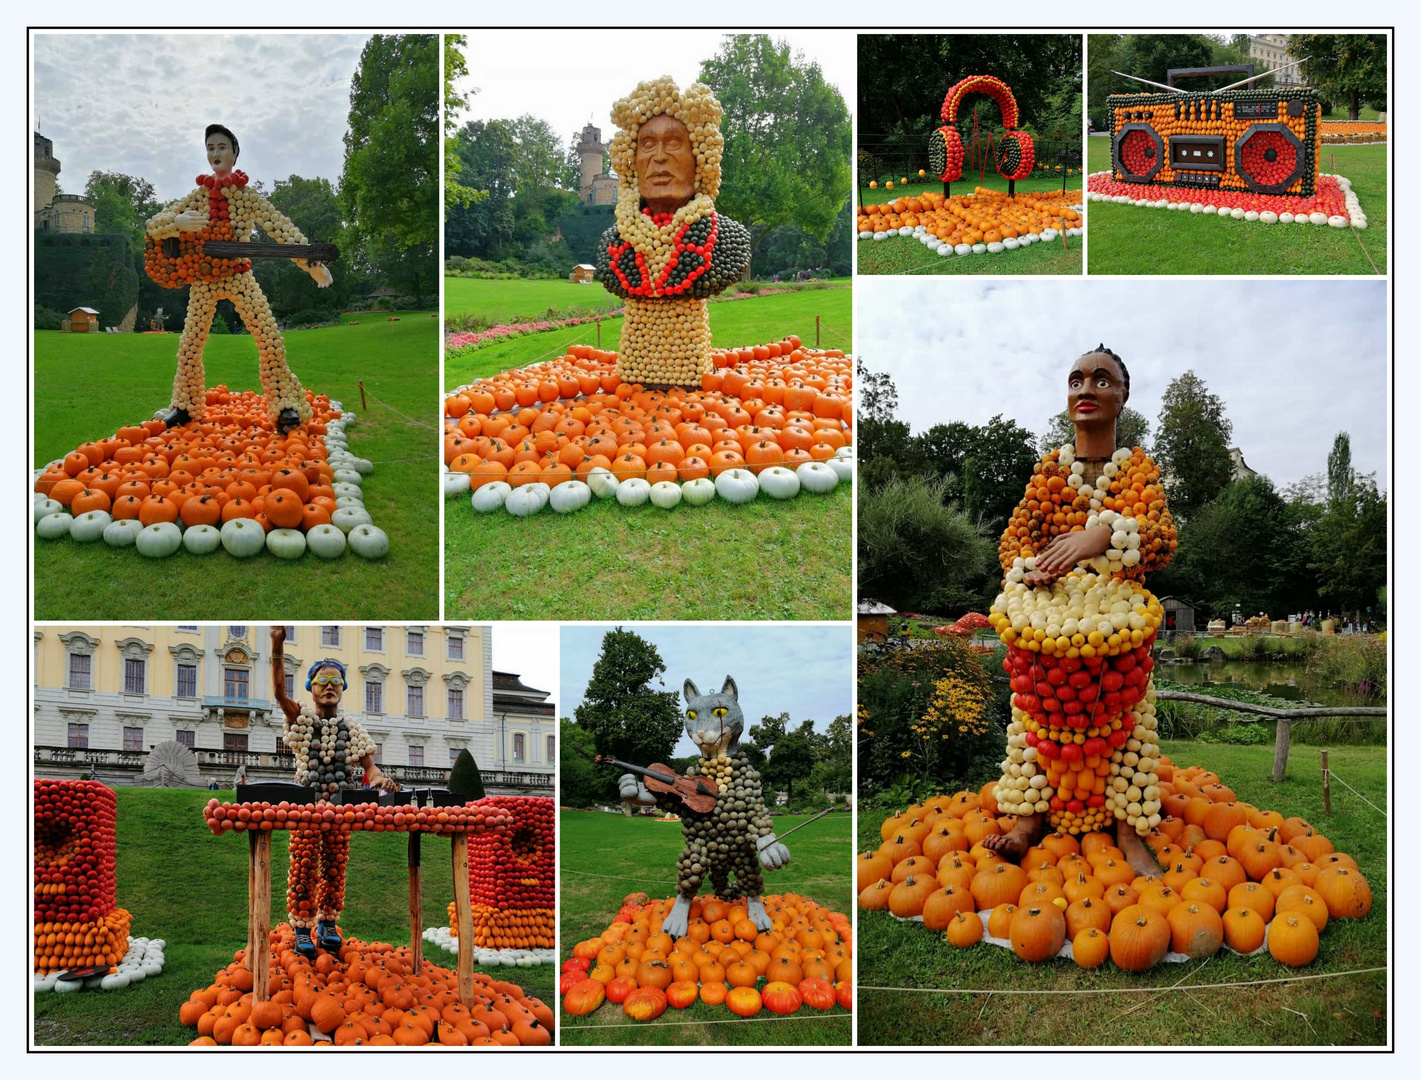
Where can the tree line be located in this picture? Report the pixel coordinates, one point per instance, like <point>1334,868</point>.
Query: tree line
<point>625,715</point>
<point>935,502</point>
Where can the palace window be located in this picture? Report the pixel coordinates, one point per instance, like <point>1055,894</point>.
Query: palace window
<point>456,703</point>
<point>374,639</point>
<point>234,683</point>
<point>135,678</point>
<point>81,667</point>
<point>78,736</point>
<point>550,748</point>
<point>456,645</point>
<point>133,738</point>
<point>414,642</point>
<point>186,738</point>
<point>187,680</point>
<point>414,701</point>
<point>374,697</point>
<point>330,636</point>
<point>517,748</point>
<point>416,756</point>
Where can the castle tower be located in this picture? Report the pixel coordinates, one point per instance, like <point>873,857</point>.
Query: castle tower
<point>46,173</point>
<point>592,152</point>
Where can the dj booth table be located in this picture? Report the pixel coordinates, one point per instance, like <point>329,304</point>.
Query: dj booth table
<point>259,809</point>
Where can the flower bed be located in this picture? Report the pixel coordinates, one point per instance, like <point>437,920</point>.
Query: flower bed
<point>804,961</point>
<point>986,221</point>
<point>227,481</point>
<point>1351,133</point>
<point>771,418</point>
<point>1334,202</point>
<point>1234,876</point>
<point>365,996</point>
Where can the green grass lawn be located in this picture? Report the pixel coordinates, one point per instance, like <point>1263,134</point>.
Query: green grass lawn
<point>516,300</point>
<point>603,857</point>
<point>1349,1010</point>
<point>1136,240</point>
<point>189,887</point>
<point>906,256</point>
<point>763,560</point>
<point>122,379</point>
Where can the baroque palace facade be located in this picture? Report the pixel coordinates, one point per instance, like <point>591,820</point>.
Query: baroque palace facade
<point>106,695</point>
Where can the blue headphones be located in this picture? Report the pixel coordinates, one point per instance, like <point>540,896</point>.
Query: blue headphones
<point>311,671</point>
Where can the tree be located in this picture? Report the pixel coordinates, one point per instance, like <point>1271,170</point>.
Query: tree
<point>787,138</point>
<point>1340,478</point>
<point>1192,447</point>
<point>455,193</point>
<point>314,206</point>
<point>1343,67</point>
<point>1349,547</point>
<point>122,204</point>
<point>464,777</point>
<point>392,161</point>
<point>486,150</point>
<point>1131,429</point>
<point>578,783</point>
<point>790,752</point>
<point>833,771</point>
<point>625,716</point>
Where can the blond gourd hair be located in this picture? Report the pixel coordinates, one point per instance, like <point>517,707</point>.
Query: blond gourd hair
<point>696,107</point>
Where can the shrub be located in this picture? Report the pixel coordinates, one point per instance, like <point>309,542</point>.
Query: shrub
<point>1355,663</point>
<point>48,318</point>
<point>312,317</point>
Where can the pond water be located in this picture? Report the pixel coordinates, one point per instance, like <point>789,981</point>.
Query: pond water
<point>1281,680</point>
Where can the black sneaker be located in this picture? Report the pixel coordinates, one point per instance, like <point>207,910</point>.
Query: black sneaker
<point>174,417</point>
<point>304,945</point>
<point>327,936</point>
<point>287,420</point>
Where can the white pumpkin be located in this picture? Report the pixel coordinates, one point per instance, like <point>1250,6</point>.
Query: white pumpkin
<point>286,543</point>
<point>88,527</point>
<point>699,491</point>
<point>778,482</point>
<point>525,501</point>
<point>346,476</point>
<point>45,507</point>
<point>362,466</point>
<point>737,486</point>
<point>602,482</point>
<point>65,986</point>
<point>816,477</point>
<point>162,538</point>
<point>455,484</point>
<point>326,541</point>
<point>368,542</point>
<point>348,517</point>
<point>243,537</point>
<point>665,494</point>
<point>343,501</point>
<point>121,534</point>
<point>490,497</point>
<point>116,981</point>
<point>202,539</point>
<point>347,489</point>
<point>633,491</point>
<point>843,468</point>
<point>53,526</point>
<point>569,496</point>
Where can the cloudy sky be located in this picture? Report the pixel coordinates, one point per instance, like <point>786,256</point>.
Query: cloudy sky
<point>570,84</point>
<point>139,104</point>
<point>806,671</point>
<point>1296,361</point>
<point>531,651</point>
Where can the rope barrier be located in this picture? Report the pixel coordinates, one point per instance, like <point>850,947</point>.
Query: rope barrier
<point>1332,774</point>
<point>1125,989</point>
<point>697,1023</point>
<point>1357,233</point>
<point>422,423</point>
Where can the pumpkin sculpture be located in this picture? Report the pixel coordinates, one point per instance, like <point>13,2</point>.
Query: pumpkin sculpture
<point>804,958</point>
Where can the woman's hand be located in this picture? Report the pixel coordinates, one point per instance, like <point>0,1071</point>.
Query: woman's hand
<point>1068,549</point>
<point>191,221</point>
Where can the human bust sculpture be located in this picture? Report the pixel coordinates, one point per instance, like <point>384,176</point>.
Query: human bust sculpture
<point>669,250</point>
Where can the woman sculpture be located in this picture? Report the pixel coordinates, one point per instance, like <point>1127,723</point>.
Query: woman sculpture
<point>669,249</point>
<point>332,752</point>
<point>1078,625</point>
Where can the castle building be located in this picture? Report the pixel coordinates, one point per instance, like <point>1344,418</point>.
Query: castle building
<point>1269,51</point>
<point>597,186</point>
<point>57,213</point>
<point>106,695</point>
<point>1240,467</point>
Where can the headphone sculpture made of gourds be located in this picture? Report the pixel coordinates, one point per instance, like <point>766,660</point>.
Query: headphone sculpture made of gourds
<point>1016,154</point>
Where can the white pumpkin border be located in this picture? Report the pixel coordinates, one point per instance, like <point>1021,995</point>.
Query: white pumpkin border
<point>1355,217</point>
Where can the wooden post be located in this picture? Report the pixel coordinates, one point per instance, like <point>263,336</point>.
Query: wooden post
<point>1280,749</point>
<point>599,333</point>
<point>946,189</point>
<point>361,384</point>
<point>1326,787</point>
<point>816,331</point>
<point>1011,187</point>
<point>251,899</point>
<point>261,971</point>
<point>416,905</point>
<point>465,918</point>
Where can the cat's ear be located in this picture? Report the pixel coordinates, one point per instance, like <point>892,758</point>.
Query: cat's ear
<point>729,689</point>
<point>689,691</point>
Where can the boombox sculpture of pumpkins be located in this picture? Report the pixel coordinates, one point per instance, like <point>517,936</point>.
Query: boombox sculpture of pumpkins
<point>1241,153</point>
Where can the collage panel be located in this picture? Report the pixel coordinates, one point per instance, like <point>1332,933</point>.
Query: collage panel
<point>648,322</point>
<point>1245,137</point>
<point>1122,635</point>
<point>999,115</point>
<point>293,456</point>
<point>153,746</point>
<point>735,928</point>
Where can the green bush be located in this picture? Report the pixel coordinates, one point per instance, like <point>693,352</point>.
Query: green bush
<point>48,318</point>
<point>311,317</point>
<point>1352,662</point>
<point>464,777</point>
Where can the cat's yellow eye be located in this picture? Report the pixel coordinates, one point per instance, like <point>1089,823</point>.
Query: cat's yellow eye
<point>690,714</point>
<point>720,710</point>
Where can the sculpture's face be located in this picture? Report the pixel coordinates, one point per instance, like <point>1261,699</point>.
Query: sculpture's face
<point>1095,390</point>
<point>714,721</point>
<point>220,154</point>
<point>327,686</point>
<point>665,164</point>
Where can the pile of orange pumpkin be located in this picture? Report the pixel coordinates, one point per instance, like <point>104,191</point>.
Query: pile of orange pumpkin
<point>511,878</point>
<point>804,961</point>
<point>983,217</point>
<point>231,464</point>
<point>77,922</point>
<point>1233,875</point>
<point>366,996</point>
<point>775,404</point>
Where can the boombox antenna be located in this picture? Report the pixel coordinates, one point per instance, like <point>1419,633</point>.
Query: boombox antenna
<point>1151,82</point>
<point>1251,78</point>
